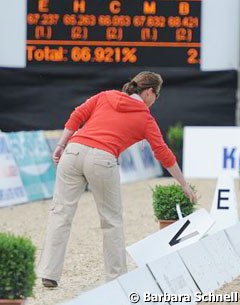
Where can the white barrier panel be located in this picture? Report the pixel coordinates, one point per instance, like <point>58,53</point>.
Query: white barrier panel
<point>226,260</point>
<point>13,28</point>
<point>172,238</point>
<point>234,237</point>
<point>220,40</point>
<point>178,278</point>
<point>12,190</point>
<point>111,293</point>
<point>224,208</point>
<point>174,278</point>
<point>140,281</point>
<point>201,266</point>
<point>209,152</point>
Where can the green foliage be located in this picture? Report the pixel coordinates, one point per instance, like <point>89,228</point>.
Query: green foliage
<point>175,138</point>
<point>17,275</point>
<point>165,199</point>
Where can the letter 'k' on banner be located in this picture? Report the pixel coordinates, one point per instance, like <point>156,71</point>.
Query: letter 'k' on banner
<point>224,207</point>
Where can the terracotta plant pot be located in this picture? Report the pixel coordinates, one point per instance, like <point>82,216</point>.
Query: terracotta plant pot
<point>164,223</point>
<point>12,302</point>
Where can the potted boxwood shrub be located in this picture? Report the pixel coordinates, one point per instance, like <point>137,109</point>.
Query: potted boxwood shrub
<point>165,199</point>
<point>17,275</point>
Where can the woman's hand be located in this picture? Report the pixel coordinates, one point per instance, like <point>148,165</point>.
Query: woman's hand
<point>189,192</point>
<point>176,172</point>
<point>58,153</point>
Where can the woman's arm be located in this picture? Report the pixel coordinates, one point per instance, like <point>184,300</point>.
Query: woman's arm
<point>176,173</point>
<point>67,133</point>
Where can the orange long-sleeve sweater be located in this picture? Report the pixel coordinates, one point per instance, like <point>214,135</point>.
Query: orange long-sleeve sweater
<point>113,121</point>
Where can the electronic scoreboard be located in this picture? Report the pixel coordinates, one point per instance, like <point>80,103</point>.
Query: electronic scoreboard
<point>120,32</point>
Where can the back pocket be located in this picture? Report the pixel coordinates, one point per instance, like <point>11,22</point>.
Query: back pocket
<point>71,150</point>
<point>104,168</point>
<point>70,155</point>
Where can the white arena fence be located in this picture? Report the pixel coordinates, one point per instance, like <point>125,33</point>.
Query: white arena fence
<point>189,274</point>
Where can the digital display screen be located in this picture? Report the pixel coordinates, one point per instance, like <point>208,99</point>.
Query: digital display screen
<point>120,32</point>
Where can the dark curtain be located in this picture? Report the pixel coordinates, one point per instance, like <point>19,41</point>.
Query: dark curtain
<point>43,97</point>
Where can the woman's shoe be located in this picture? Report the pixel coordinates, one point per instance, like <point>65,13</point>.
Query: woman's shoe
<point>49,283</point>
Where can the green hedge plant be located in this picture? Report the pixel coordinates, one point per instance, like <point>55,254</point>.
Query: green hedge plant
<point>17,275</point>
<point>165,199</point>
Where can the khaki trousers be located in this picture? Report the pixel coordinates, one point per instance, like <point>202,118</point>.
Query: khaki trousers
<point>78,166</point>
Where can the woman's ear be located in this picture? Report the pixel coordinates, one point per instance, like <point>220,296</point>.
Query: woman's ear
<point>149,91</point>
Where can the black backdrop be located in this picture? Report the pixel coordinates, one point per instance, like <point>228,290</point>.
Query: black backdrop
<point>43,97</point>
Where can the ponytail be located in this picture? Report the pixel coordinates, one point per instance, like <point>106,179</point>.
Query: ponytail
<point>131,88</point>
<point>142,81</point>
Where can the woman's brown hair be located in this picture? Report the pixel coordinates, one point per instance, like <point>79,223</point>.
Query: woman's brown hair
<point>142,81</point>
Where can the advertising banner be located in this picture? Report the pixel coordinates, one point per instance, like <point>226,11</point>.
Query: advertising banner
<point>21,149</point>
<point>209,152</point>
<point>138,163</point>
<point>52,137</point>
<point>12,190</point>
<point>41,154</point>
